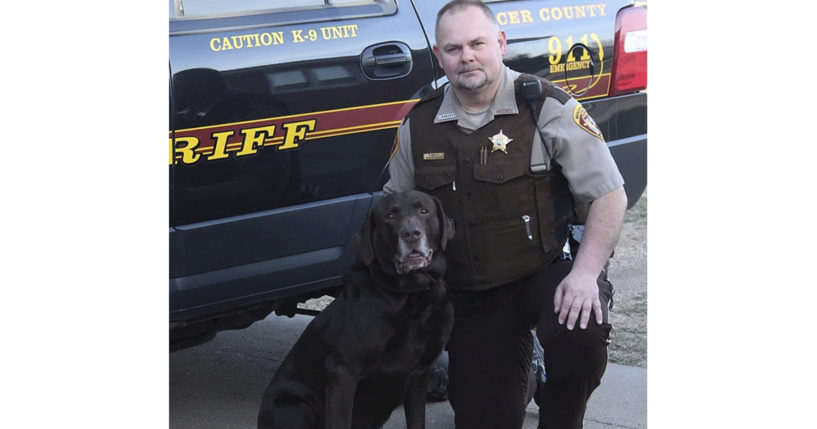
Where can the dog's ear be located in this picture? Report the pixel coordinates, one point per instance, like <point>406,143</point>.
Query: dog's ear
<point>446,224</point>
<point>362,240</point>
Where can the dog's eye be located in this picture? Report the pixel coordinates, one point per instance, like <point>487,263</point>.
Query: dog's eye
<point>423,211</point>
<point>389,216</point>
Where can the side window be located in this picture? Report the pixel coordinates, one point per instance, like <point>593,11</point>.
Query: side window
<point>209,8</point>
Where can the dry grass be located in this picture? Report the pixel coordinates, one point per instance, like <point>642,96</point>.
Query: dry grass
<point>628,273</point>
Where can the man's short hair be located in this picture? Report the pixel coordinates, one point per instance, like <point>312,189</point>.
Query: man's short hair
<point>462,4</point>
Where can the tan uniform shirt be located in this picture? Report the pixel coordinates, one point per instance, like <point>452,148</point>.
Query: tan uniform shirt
<point>585,159</point>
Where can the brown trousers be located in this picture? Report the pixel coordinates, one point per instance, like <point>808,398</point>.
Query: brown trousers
<point>490,352</point>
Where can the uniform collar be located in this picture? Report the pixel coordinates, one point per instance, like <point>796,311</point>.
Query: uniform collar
<point>504,103</point>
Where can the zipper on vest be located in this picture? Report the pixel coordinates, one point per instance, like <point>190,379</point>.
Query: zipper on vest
<point>526,218</point>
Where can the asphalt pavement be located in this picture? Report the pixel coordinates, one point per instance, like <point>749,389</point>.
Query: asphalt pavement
<point>219,384</point>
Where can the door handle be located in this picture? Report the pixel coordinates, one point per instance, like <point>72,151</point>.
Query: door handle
<point>386,60</point>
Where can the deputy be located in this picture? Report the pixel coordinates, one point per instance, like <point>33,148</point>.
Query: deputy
<point>475,146</point>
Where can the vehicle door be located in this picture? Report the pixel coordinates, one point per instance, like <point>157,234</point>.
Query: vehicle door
<point>283,116</point>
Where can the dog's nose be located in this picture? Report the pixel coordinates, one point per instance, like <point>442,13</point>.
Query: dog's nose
<point>411,234</point>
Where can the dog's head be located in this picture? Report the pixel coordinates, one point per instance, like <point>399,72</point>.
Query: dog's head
<point>404,233</point>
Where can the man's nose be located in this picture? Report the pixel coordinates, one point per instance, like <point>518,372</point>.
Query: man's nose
<point>467,54</point>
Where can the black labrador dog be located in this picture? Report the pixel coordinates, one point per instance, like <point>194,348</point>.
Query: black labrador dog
<point>371,349</point>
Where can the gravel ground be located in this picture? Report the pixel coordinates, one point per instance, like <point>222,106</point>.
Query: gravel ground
<point>628,273</point>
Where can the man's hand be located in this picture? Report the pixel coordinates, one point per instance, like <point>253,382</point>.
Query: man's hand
<point>575,296</point>
<point>578,293</point>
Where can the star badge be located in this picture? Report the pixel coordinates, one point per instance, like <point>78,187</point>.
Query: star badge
<point>500,141</point>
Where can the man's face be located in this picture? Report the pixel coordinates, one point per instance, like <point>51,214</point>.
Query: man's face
<point>470,49</point>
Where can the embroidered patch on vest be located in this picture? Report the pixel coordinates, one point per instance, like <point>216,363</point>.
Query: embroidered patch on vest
<point>434,156</point>
<point>446,116</point>
<point>584,121</point>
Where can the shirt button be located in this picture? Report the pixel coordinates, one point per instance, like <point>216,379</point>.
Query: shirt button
<point>499,177</point>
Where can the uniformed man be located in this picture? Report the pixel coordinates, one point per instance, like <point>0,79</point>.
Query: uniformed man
<point>474,145</point>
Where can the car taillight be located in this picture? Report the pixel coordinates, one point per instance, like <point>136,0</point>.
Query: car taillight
<point>630,58</point>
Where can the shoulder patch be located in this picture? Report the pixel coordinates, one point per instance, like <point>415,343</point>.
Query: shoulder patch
<point>395,146</point>
<point>585,122</point>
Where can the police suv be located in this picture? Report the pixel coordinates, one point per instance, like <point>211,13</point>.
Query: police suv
<point>283,116</point>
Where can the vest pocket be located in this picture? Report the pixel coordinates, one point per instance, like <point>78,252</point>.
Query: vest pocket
<point>499,173</point>
<point>433,178</point>
<point>502,190</point>
<point>505,251</point>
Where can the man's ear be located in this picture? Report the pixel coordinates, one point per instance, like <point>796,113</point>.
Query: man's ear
<point>362,240</point>
<point>436,51</point>
<point>446,224</point>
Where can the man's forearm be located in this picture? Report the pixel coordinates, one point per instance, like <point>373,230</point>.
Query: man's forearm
<point>601,232</point>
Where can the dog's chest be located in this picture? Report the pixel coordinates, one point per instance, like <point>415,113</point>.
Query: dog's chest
<point>419,339</point>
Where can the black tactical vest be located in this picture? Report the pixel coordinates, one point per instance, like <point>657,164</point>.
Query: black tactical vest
<point>509,221</point>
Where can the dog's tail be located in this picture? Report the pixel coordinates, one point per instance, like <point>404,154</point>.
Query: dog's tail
<point>290,405</point>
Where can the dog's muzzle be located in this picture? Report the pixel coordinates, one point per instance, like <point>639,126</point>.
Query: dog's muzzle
<point>413,260</point>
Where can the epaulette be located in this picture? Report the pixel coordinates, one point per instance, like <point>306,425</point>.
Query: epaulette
<point>549,89</point>
<point>558,94</point>
<point>434,94</point>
